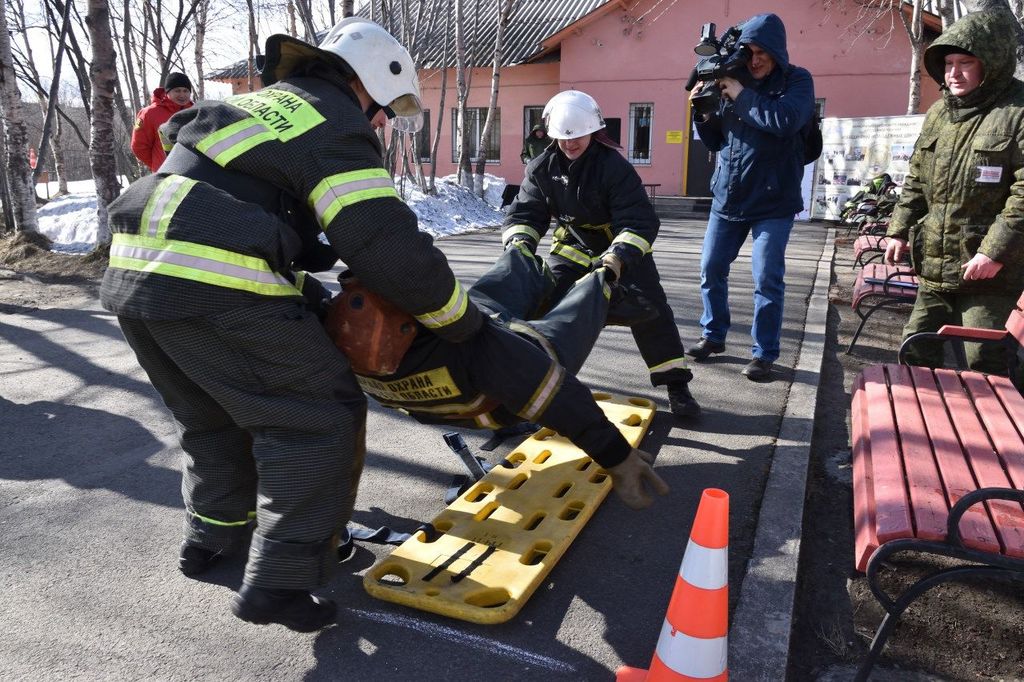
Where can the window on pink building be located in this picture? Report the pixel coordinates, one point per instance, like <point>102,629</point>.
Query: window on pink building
<point>641,118</point>
<point>423,140</point>
<point>531,117</point>
<point>475,119</point>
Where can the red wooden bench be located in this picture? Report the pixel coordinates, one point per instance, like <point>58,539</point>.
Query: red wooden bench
<point>938,467</point>
<point>881,286</point>
<point>869,248</point>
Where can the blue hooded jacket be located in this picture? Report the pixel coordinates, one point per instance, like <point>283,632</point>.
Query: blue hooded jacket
<point>757,137</point>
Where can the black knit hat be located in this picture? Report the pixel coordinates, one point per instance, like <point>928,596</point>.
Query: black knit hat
<point>177,80</point>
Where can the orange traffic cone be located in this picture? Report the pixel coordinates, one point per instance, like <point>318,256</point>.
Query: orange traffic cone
<point>694,638</point>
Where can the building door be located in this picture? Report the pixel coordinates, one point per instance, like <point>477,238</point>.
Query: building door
<point>700,164</point>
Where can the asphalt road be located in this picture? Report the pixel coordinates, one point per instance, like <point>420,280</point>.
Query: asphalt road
<point>90,512</point>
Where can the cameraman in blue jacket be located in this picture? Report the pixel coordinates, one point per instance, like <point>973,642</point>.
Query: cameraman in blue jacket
<point>756,187</point>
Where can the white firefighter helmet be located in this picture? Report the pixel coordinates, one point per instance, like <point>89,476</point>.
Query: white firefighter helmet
<point>572,113</point>
<point>385,68</point>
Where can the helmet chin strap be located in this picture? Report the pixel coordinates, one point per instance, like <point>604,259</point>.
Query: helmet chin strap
<point>372,110</point>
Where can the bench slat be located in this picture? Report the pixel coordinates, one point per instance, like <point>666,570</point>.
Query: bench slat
<point>1013,403</point>
<point>966,439</point>
<point>865,539</point>
<point>892,504</point>
<point>862,287</point>
<point>990,465</point>
<point>927,498</point>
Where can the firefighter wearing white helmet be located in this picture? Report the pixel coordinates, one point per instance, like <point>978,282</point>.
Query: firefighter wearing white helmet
<point>572,114</point>
<point>604,219</point>
<point>207,280</point>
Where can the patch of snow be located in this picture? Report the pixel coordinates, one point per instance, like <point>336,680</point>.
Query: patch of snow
<point>70,221</point>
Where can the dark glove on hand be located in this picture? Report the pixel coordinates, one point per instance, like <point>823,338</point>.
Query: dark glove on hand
<point>632,477</point>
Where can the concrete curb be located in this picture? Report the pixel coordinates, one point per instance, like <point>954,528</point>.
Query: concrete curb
<point>763,620</point>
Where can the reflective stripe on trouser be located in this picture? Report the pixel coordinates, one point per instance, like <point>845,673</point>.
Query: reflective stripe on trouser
<point>268,412</point>
<point>658,339</point>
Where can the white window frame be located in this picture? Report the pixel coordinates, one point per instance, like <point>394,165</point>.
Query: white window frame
<point>634,119</point>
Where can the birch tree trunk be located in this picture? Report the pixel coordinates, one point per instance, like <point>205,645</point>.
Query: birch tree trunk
<point>465,172</point>
<point>915,32</point>
<point>431,187</point>
<point>252,44</point>
<point>16,168</point>
<point>200,19</point>
<point>505,8</point>
<point>51,100</point>
<point>103,76</point>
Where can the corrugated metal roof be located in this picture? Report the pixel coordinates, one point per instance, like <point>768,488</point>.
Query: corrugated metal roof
<point>532,23</point>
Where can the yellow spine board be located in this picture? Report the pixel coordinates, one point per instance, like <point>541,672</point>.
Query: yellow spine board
<point>499,540</point>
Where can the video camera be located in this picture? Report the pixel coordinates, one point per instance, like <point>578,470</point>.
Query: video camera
<point>718,59</point>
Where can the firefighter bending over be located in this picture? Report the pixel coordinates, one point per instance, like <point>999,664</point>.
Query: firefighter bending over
<point>203,280</point>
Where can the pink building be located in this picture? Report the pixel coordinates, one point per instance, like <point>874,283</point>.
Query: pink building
<point>634,57</point>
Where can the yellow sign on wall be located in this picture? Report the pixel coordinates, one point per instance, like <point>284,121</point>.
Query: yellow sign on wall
<point>673,137</point>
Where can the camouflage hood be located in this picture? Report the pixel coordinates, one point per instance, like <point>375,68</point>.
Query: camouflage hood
<point>990,37</point>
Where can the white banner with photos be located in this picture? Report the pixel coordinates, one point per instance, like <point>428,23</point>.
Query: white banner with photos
<point>855,150</point>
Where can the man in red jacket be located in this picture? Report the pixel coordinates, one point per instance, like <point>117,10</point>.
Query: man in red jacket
<point>167,101</point>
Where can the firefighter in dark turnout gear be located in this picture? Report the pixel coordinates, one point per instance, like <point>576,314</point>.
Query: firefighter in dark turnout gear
<point>201,277</point>
<point>516,369</point>
<point>603,216</point>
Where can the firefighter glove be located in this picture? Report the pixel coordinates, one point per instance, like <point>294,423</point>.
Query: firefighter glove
<point>614,265</point>
<point>632,478</point>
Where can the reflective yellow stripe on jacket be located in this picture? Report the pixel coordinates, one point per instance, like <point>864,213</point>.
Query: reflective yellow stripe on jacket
<point>151,252</point>
<point>275,115</point>
<point>563,250</point>
<point>542,397</point>
<point>335,192</point>
<point>633,239</point>
<point>520,229</point>
<point>450,312</point>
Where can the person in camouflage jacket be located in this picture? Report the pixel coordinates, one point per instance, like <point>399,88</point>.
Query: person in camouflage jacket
<point>534,144</point>
<point>961,211</point>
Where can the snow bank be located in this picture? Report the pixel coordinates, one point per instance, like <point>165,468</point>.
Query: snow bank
<point>70,221</point>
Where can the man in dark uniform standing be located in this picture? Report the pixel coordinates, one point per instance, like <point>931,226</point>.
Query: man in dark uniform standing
<point>604,218</point>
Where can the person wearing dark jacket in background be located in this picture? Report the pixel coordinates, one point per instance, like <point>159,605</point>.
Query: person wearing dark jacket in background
<point>961,210</point>
<point>535,143</point>
<point>147,145</point>
<point>756,188</point>
<point>604,218</point>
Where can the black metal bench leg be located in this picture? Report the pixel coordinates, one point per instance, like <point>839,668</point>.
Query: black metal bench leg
<point>856,334</point>
<point>871,311</point>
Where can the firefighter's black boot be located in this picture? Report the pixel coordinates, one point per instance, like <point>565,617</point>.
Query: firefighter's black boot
<point>680,402</point>
<point>193,560</point>
<point>628,306</point>
<point>295,609</point>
